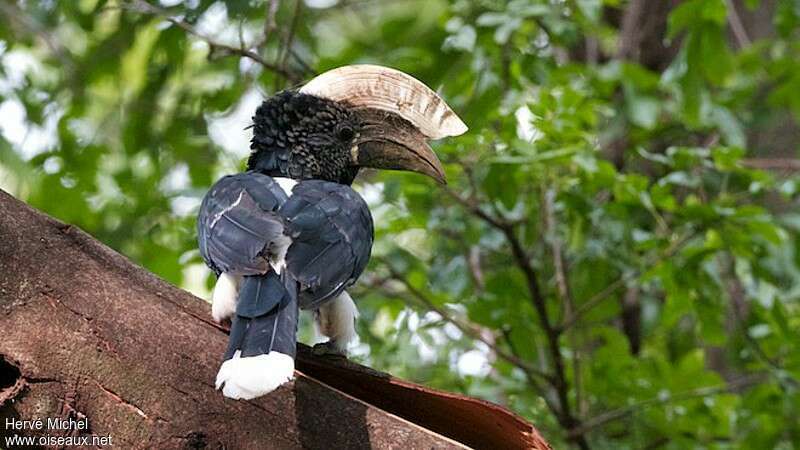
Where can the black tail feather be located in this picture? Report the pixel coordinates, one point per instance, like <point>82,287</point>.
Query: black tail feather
<point>266,317</point>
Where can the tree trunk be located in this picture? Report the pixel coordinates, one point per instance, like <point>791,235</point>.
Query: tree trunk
<point>89,337</point>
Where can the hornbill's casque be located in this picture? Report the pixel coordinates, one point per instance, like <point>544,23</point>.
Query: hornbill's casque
<point>290,232</point>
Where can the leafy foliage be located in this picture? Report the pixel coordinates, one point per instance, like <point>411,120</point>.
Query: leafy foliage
<point>608,259</point>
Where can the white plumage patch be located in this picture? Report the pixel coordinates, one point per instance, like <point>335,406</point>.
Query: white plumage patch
<point>254,376</point>
<point>337,320</point>
<point>287,184</point>
<point>277,253</point>
<point>278,248</point>
<point>223,300</point>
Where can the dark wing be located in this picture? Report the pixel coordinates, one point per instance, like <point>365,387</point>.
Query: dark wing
<point>331,231</point>
<point>238,222</point>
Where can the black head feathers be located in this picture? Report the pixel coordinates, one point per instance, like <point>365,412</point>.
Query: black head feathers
<point>302,136</point>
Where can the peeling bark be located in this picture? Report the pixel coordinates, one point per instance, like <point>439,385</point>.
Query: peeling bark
<point>87,334</point>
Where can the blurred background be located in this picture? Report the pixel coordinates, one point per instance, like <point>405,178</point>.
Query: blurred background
<point>615,257</point>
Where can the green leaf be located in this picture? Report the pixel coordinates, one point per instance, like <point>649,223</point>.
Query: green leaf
<point>643,111</point>
<point>463,39</point>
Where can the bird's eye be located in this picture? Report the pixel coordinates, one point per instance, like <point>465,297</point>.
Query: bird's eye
<point>346,133</point>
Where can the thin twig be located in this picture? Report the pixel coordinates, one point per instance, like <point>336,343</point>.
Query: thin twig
<point>604,418</point>
<point>727,267</point>
<point>287,44</point>
<point>555,247</point>
<point>785,164</point>
<point>269,22</point>
<point>739,32</point>
<point>476,210</point>
<point>18,19</point>
<point>303,63</point>
<point>473,258</point>
<point>562,284</point>
<point>243,51</point>
<point>549,396</point>
<point>469,329</point>
<point>620,282</point>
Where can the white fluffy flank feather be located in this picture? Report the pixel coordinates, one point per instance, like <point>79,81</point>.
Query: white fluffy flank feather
<point>337,320</point>
<point>224,298</point>
<point>254,376</point>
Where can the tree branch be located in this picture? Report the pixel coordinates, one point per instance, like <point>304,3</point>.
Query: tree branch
<point>522,260</point>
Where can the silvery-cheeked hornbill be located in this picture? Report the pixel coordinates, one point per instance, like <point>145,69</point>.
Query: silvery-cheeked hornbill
<point>290,232</point>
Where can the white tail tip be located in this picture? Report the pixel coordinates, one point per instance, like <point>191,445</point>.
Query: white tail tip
<point>254,376</point>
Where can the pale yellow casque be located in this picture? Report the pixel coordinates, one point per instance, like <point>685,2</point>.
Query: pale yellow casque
<point>384,88</point>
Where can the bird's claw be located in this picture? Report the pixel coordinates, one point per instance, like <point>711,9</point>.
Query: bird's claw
<point>328,349</point>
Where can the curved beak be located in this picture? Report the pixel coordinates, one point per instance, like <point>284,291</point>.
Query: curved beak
<point>387,141</point>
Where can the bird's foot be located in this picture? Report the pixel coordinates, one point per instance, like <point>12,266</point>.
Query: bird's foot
<point>330,348</point>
